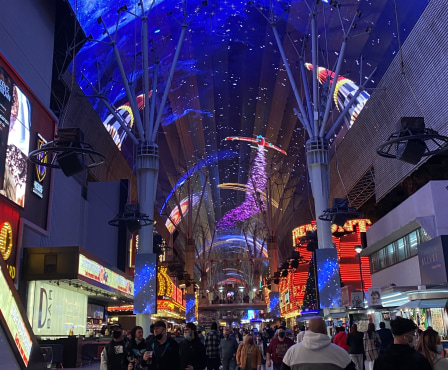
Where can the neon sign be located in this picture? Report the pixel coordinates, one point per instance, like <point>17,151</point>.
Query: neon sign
<point>6,246</point>
<point>103,275</point>
<point>348,227</point>
<point>14,321</point>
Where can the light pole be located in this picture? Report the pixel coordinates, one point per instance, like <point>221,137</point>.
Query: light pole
<point>358,249</point>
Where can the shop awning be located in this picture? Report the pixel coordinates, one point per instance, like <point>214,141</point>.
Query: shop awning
<point>424,303</point>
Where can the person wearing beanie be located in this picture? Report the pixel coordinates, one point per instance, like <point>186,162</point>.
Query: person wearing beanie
<point>192,351</point>
<point>162,352</point>
<point>401,355</point>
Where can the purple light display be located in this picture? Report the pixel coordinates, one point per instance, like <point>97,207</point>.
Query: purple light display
<point>254,202</point>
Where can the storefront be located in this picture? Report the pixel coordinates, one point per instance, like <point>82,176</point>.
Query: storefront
<point>68,292</point>
<point>170,304</point>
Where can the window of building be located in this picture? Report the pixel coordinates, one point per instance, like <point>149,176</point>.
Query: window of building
<point>398,251</point>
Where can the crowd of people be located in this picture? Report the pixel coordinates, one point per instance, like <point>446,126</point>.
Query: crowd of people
<point>402,347</point>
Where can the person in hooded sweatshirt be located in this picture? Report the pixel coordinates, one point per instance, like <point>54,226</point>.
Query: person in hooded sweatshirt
<point>316,351</point>
<point>401,355</point>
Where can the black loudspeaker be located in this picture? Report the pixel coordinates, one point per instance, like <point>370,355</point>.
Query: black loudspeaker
<point>133,226</point>
<point>339,219</point>
<point>363,240</point>
<point>71,163</point>
<point>411,151</point>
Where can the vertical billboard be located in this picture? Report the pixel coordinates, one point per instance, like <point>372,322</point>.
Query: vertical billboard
<point>145,284</point>
<point>328,278</point>
<point>15,125</point>
<point>274,304</point>
<point>190,309</point>
<point>25,124</point>
<point>53,310</point>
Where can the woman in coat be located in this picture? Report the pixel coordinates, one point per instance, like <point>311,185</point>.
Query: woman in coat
<point>248,355</point>
<point>372,343</point>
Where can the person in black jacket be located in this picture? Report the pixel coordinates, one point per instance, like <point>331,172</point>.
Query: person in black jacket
<point>401,355</point>
<point>114,355</point>
<point>386,337</point>
<point>162,352</point>
<point>356,346</point>
<point>192,351</point>
<point>136,347</point>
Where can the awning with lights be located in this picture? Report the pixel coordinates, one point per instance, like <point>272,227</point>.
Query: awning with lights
<point>423,303</point>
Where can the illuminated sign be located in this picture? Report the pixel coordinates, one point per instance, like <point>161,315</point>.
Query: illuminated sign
<point>15,123</point>
<point>5,240</point>
<point>345,238</point>
<point>13,318</point>
<point>190,308</point>
<point>40,171</point>
<point>53,310</point>
<point>8,227</point>
<point>349,226</point>
<point>103,275</point>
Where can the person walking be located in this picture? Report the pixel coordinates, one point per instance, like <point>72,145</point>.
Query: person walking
<point>356,347</point>
<point>386,337</point>
<point>227,350</point>
<point>316,352</point>
<point>401,355</point>
<point>212,342</point>
<point>340,339</point>
<point>431,348</point>
<point>136,347</point>
<point>192,351</point>
<point>277,348</point>
<point>248,356</point>
<point>372,343</point>
<point>262,346</point>
<point>162,352</point>
<point>114,355</point>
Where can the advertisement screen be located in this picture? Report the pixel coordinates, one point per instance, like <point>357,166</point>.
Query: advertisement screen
<point>274,304</point>
<point>15,124</point>
<point>190,309</point>
<point>13,318</point>
<point>145,296</point>
<point>328,278</point>
<point>53,310</point>
<point>103,275</point>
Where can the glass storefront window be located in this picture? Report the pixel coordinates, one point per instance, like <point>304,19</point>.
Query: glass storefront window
<point>401,250</point>
<point>390,250</point>
<point>413,242</point>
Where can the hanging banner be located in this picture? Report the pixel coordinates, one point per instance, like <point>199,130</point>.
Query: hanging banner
<point>374,298</point>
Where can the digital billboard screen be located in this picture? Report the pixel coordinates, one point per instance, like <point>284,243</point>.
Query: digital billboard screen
<point>145,284</point>
<point>15,124</point>
<point>328,278</point>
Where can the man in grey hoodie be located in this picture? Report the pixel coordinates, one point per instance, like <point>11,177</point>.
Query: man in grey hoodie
<point>227,350</point>
<point>316,351</point>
